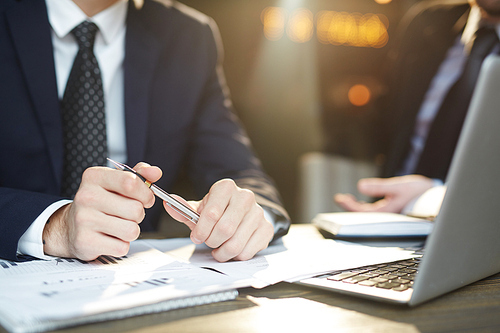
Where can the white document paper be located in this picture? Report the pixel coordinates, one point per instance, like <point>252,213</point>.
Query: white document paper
<point>284,261</point>
<point>159,275</point>
<point>42,295</point>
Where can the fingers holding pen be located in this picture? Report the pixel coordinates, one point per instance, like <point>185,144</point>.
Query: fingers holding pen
<point>125,184</point>
<point>232,223</point>
<point>151,173</point>
<point>217,223</point>
<point>194,205</point>
<point>104,216</point>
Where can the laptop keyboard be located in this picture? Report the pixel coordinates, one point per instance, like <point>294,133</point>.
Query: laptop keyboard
<point>398,275</point>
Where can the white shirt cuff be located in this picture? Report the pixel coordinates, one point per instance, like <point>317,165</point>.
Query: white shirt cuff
<point>429,203</point>
<point>31,242</point>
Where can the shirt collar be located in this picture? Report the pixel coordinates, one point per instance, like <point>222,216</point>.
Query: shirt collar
<point>474,22</point>
<point>65,15</point>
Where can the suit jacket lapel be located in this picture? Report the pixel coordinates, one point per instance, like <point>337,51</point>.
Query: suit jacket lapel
<point>30,31</point>
<point>142,51</point>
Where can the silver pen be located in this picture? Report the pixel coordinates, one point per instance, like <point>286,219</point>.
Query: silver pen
<point>175,204</point>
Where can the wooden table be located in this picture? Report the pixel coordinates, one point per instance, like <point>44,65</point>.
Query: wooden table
<point>287,307</point>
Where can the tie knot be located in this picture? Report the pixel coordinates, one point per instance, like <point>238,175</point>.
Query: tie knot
<point>85,34</point>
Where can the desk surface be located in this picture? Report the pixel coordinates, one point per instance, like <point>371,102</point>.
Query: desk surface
<point>287,307</point>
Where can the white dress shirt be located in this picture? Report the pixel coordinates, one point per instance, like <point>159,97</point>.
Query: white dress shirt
<point>109,49</point>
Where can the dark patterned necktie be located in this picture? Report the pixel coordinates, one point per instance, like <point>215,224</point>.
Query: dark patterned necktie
<point>83,117</point>
<point>445,130</point>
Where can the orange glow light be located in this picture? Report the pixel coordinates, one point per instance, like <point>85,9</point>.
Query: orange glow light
<point>300,26</point>
<point>273,19</point>
<point>336,28</point>
<point>354,29</point>
<point>359,95</point>
<point>383,2</point>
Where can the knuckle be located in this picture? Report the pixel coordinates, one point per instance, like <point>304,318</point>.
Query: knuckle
<point>226,230</point>
<point>203,234</point>
<point>269,230</point>
<point>128,185</point>
<point>82,250</point>
<point>89,174</point>
<point>244,256</point>
<point>247,196</point>
<point>150,200</point>
<point>217,256</point>
<point>258,211</point>
<point>133,232</point>
<point>87,256</point>
<point>84,197</point>
<point>226,184</point>
<point>80,223</point>
<point>266,229</point>
<point>213,214</point>
<point>233,249</point>
<point>212,243</point>
<point>121,249</point>
<point>137,211</point>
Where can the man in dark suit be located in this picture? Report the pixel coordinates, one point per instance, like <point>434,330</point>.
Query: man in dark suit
<point>429,98</point>
<point>158,66</point>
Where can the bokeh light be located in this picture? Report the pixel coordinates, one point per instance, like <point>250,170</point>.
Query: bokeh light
<point>273,19</point>
<point>354,29</point>
<point>300,26</point>
<point>359,95</point>
<point>336,28</point>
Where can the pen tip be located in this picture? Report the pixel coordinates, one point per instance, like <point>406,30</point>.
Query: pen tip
<point>116,164</point>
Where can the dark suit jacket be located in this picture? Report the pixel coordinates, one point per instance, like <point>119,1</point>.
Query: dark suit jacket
<point>178,115</point>
<point>426,33</point>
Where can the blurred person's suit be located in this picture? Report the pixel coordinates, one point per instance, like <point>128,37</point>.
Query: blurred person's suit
<point>426,34</point>
<point>178,115</point>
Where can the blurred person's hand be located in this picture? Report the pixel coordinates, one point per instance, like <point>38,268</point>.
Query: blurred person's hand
<point>231,222</point>
<point>104,217</point>
<point>396,193</point>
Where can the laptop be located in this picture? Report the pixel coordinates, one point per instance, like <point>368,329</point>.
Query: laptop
<point>463,246</point>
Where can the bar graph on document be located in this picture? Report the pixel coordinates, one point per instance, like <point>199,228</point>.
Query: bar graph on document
<point>141,256</point>
<point>39,266</point>
<point>40,295</point>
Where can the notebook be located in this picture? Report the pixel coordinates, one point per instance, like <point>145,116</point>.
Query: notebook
<point>349,225</point>
<point>463,246</point>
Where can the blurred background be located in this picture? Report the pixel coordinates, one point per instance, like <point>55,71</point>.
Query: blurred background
<point>304,75</point>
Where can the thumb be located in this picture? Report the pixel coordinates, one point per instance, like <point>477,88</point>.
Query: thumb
<point>151,173</point>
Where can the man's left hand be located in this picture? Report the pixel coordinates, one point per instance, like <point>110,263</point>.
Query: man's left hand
<point>231,222</point>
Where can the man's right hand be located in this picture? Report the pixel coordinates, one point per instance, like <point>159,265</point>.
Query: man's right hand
<point>396,193</point>
<point>104,217</point>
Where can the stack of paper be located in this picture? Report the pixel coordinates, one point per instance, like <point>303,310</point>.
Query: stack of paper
<point>46,295</point>
<point>159,275</point>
